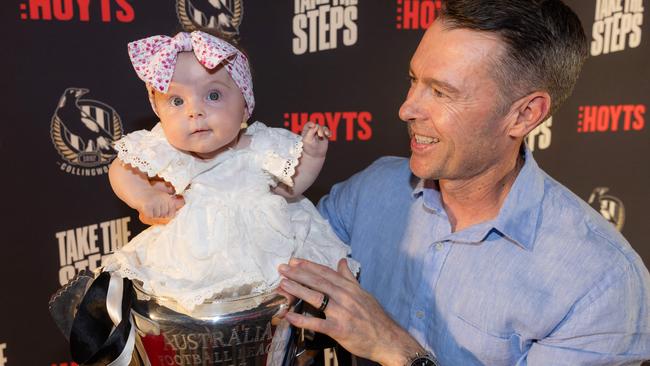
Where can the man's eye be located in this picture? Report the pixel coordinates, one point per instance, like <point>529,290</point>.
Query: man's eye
<point>213,96</point>
<point>438,93</point>
<point>411,79</point>
<point>176,101</point>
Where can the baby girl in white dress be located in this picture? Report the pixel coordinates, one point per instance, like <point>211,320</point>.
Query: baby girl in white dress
<point>243,212</point>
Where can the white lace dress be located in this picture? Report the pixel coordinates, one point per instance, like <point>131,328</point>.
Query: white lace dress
<point>232,229</point>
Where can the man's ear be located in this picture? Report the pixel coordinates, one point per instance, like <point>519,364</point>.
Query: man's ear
<point>531,111</point>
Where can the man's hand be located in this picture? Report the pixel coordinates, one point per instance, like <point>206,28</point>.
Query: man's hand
<point>315,139</point>
<point>353,317</point>
<point>159,206</point>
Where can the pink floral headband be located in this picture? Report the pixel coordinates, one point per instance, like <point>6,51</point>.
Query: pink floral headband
<point>154,60</point>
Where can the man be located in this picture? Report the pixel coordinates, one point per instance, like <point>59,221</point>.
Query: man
<point>468,250</point>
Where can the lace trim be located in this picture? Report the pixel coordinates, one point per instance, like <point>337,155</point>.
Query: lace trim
<point>179,180</point>
<point>189,299</point>
<point>135,161</point>
<point>280,150</point>
<point>288,168</point>
<point>354,266</point>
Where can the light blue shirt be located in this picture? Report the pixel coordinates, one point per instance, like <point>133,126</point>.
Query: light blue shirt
<point>547,282</point>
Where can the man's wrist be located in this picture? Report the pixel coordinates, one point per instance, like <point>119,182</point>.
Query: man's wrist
<point>422,359</point>
<point>404,355</point>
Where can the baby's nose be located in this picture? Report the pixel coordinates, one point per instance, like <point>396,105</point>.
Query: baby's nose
<point>195,114</point>
<point>195,110</point>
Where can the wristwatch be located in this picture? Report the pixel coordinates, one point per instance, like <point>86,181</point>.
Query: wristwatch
<point>422,359</point>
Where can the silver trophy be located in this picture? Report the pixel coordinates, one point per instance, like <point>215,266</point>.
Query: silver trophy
<point>239,331</point>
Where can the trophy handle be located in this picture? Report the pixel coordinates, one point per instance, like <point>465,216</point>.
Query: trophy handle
<point>64,303</point>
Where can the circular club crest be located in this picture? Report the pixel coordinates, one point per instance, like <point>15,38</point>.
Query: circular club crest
<point>224,15</point>
<point>83,130</point>
<point>610,207</point>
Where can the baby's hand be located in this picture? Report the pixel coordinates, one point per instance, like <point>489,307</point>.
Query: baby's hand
<point>159,207</point>
<point>314,139</point>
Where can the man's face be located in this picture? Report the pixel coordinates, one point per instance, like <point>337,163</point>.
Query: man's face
<point>203,109</point>
<point>451,107</point>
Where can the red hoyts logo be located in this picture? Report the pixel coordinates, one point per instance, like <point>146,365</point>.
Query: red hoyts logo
<point>606,118</point>
<point>346,126</point>
<point>416,14</point>
<point>82,10</point>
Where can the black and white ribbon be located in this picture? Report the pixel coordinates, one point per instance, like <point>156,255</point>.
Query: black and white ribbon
<point>103,332</point>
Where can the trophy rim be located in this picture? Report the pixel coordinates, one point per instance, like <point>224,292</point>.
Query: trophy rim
<point>218,307</point>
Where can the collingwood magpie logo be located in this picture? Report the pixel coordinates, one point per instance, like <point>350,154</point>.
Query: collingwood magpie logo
<point>224,15</point>
<point>83,131</point>
<point>610,207</point>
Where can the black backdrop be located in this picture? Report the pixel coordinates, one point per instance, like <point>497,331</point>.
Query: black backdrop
<point>66,64</point>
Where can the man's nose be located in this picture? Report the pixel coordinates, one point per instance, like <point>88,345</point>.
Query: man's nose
<point>409,111</point>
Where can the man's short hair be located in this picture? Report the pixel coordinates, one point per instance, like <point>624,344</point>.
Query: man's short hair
<point>545,45</point>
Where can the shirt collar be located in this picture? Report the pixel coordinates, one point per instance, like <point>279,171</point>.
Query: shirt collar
<point>430,195</point>
<point>518,217</point>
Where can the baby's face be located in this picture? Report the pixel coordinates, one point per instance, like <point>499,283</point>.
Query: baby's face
<point>202,110</point>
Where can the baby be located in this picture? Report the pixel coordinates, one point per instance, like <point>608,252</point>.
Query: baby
<point>243,212</point>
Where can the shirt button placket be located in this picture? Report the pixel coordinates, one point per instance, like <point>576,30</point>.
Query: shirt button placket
<point>421,299</point>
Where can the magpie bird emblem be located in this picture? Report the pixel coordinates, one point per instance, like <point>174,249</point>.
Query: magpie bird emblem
<point>83,130</point>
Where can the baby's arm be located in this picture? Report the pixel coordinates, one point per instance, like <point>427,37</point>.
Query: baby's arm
<point>314,148</point>
<point>154,200</point>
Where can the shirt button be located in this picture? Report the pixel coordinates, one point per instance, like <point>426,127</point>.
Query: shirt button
<point>439,246</point>
<point>419,314</point>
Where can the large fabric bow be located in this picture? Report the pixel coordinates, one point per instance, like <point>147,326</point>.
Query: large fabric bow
<point>154,60</point>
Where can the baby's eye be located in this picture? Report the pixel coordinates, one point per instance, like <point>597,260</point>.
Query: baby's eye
<point>214,95</point>
<point>176,101</point>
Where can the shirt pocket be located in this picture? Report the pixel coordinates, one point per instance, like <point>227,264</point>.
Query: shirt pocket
<point>487,348</point>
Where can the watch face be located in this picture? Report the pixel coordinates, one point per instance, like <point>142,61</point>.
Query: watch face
<point>423,361</point>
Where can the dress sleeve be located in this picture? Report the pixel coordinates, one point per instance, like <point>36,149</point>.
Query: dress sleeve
<point>279,150</point>
<point>149,152</point>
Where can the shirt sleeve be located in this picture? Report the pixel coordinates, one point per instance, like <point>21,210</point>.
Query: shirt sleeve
<point>610,325</point>
<point>338,208</point>
<point>340,205</point>
<point>279,151</point>
<point>149,152</point>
